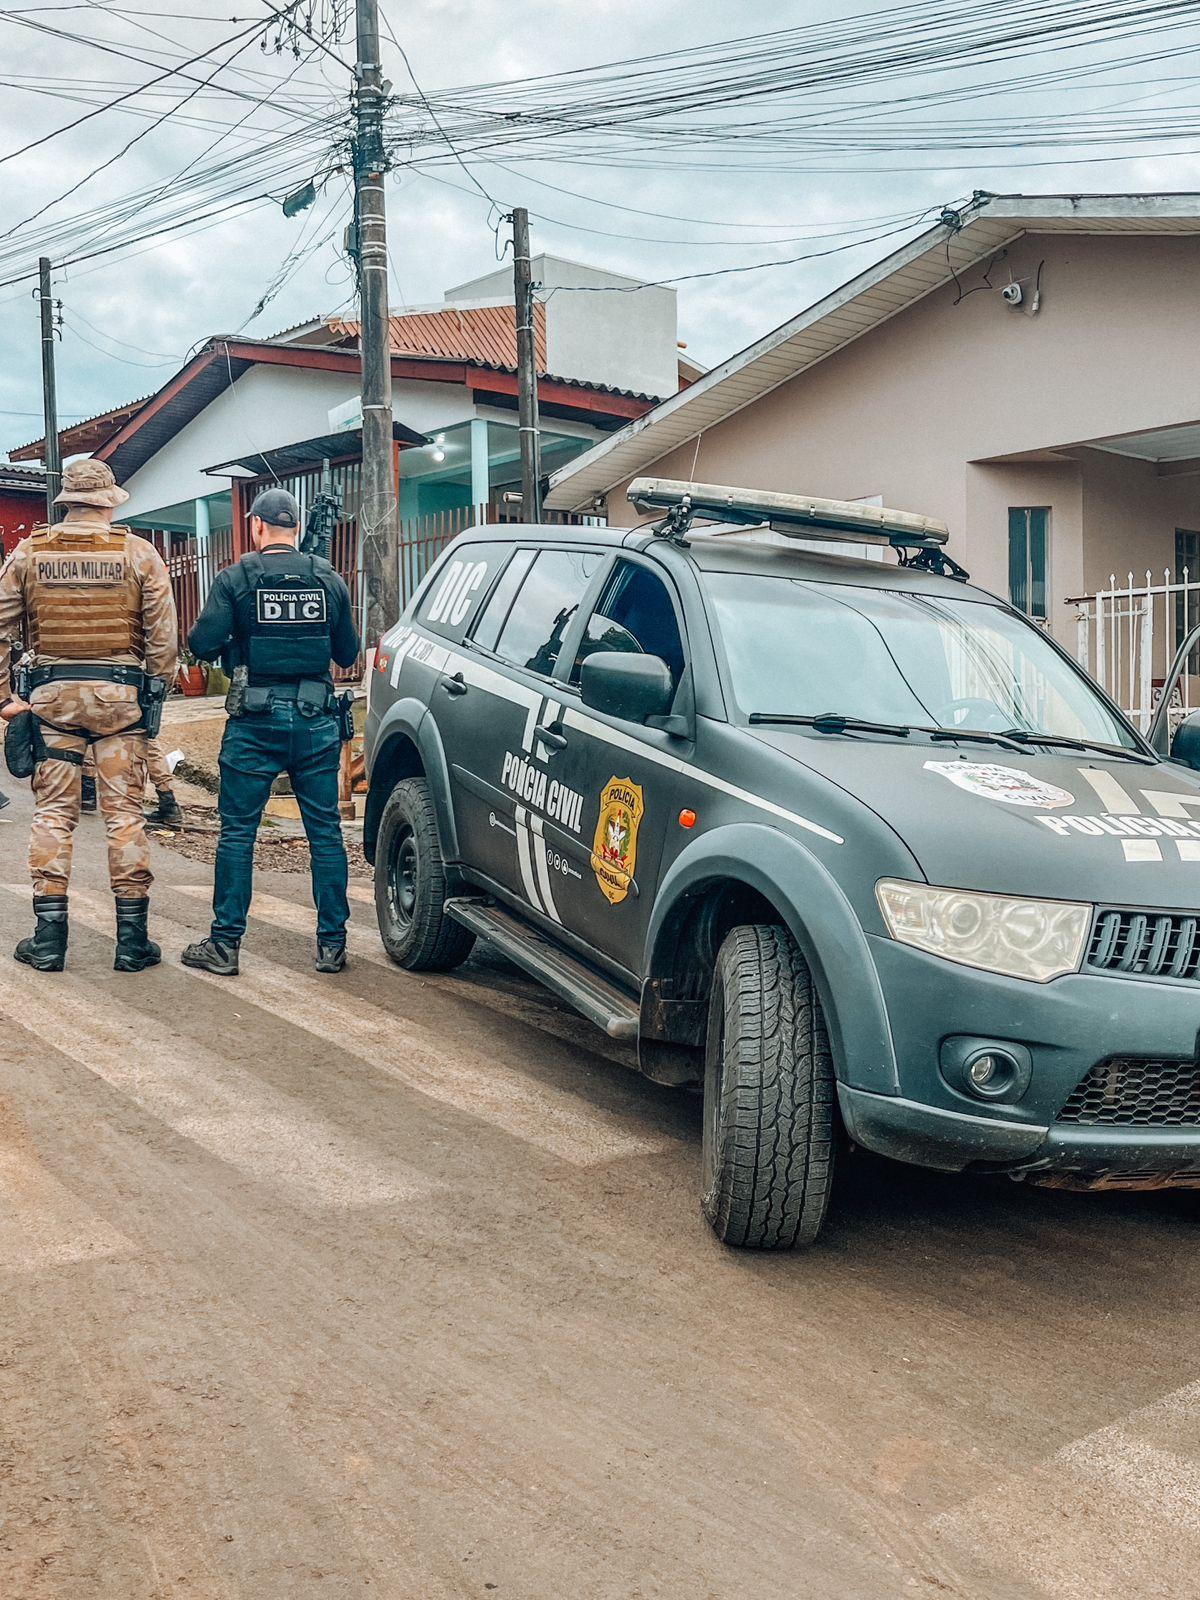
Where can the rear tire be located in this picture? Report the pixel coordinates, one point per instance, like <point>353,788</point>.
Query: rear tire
<point>410,885</point>
<point>769,1098</point>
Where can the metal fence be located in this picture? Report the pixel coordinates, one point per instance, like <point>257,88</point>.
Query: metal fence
<point>193,565</point>
<point>1128,635</point>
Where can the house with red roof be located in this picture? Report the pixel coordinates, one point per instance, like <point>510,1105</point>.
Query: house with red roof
<point>243,414</point>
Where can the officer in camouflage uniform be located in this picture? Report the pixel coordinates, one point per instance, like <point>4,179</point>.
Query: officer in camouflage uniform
<point>96,603</point>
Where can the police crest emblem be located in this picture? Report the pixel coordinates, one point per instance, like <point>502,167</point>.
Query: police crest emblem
<point>614,849</point>
<point>1008,784</point>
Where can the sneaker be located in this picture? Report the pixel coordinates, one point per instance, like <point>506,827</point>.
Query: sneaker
<point>213,955</point>
<point>330,957</point>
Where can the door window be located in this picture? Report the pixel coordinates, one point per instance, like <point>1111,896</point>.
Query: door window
<point>634,614</point>
<point>531,635</point>
<point>495,613</point>
<point>1027,540</point>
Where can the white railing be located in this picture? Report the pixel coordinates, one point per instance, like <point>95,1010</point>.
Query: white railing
<point>1127,638</point>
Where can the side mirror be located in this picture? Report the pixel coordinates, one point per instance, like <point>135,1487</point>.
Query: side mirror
<point>626,686</point>
<point>1185,746</point>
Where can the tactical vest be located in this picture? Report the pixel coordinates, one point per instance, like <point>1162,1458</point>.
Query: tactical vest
<point>84,599</point>
<point>288,625</point>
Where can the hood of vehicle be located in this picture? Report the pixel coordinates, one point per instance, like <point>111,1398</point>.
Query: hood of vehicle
<point>1064,825</point>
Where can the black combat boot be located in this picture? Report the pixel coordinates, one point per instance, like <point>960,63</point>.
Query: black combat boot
<point>135,950</point>
<point>87,799</point>
<point>213,955</point>
<point>46,950</point>
<point>167,810</point>
<point>330,957</point>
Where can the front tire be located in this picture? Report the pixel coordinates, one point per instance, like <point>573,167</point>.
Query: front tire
<point>410,885</point>
<point>769,1117</point>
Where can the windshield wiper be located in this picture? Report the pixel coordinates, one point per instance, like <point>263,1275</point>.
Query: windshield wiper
<point>831,722</point>
<point>1062,741</point>
<point>1002,739</point>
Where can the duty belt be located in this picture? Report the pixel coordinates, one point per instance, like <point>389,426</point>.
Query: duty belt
<point>86,672</point>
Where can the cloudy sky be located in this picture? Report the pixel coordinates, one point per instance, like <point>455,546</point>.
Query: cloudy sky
<point>636,206</point>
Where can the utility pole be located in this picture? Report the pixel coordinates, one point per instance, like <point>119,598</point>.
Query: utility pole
<point>49,397</point>
<point>527,395</point>
<point>378,525</point>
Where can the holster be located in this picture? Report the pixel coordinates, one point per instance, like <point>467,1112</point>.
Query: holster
<point>22,744</point>
<point>152,694</point>
<point>344,706</point>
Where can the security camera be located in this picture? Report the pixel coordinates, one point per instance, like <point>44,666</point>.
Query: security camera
<point>1013,294</point>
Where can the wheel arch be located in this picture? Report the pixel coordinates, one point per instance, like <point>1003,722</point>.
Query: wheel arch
<point>408,745</point>
<point>748,873</point>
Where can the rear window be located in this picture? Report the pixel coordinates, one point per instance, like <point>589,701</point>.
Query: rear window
<point>459,589</point>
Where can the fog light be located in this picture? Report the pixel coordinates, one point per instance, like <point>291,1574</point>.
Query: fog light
<point>983,1070</point>
<point>986,1069</point>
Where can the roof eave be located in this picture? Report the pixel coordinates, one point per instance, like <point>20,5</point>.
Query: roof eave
<point>988,223</point>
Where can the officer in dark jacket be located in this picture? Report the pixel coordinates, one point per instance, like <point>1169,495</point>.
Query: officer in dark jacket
<point>277,618</point>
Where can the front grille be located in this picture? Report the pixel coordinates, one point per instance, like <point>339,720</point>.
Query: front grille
<point>1152,944</point>
<point>1127,1092</point>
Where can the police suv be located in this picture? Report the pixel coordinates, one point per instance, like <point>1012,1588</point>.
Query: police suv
<point>847,841</point>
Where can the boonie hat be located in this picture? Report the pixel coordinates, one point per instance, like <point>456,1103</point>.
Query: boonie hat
<point>90,483</point>
<point>277,507</point>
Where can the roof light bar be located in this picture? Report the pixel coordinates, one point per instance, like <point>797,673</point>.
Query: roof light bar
<point>800,515</point>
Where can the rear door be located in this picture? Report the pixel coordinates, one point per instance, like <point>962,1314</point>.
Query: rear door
<point>493,708</point>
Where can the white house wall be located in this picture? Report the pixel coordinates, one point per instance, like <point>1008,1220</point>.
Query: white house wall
<point>266,408</point>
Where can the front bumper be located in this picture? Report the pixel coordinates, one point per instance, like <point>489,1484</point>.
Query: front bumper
<point>931,1136</point>
<point>1068,1026</point>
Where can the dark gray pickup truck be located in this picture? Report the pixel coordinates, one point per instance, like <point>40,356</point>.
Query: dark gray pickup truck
<point>848,842</point>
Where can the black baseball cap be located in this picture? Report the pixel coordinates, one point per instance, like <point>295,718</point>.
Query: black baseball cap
<point>277,507</point>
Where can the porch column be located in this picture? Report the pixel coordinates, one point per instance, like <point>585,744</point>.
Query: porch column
<point>203,552</point>
<point>480,484</point>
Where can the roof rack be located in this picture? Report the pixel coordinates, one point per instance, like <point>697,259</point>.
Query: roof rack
<point>797,515</point>
<point>917,540</point>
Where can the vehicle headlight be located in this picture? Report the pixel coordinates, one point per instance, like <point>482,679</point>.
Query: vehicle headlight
<point>1034,939</point>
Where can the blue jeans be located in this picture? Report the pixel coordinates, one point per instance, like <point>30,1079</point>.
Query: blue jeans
<point>254,751</point>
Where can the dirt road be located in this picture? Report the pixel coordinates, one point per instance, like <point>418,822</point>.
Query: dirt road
<point>363,1286</point>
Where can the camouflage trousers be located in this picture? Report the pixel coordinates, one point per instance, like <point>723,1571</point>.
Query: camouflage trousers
<point>74,717</point>
<point>158,769</point>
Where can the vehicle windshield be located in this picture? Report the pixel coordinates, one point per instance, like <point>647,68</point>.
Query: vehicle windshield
<point>799,649</point>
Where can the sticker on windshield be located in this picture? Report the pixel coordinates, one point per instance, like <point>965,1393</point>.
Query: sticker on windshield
<point>1009,784</point>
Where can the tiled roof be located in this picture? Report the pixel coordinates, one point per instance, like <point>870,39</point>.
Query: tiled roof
<point>28,480</point>
<point>476,333</point>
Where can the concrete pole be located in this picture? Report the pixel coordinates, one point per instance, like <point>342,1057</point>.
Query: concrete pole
<point>203,550</point>
<point>52,453</point>
<point>378,525</point>
<point>480,481</point>
<point>527,395</point>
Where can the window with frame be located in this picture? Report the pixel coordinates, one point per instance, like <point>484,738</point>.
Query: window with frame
<point>447,606</point>
<point>531,632</point>
<point>633,615</point>
<point>1187,600</point>
<point>1028,546</point>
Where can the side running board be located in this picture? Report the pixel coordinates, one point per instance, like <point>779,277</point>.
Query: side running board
<point>598,1000</point>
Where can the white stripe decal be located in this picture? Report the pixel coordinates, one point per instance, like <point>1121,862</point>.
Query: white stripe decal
<point>543,868</point>
<point>524,858</point>
<point>1189,849</point>
<point>1116,801</point>
<point>531,721</point>
<point>1142,849</point>
<point>398,659</point>
<point>550,710</point>
<point>576,719</point>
